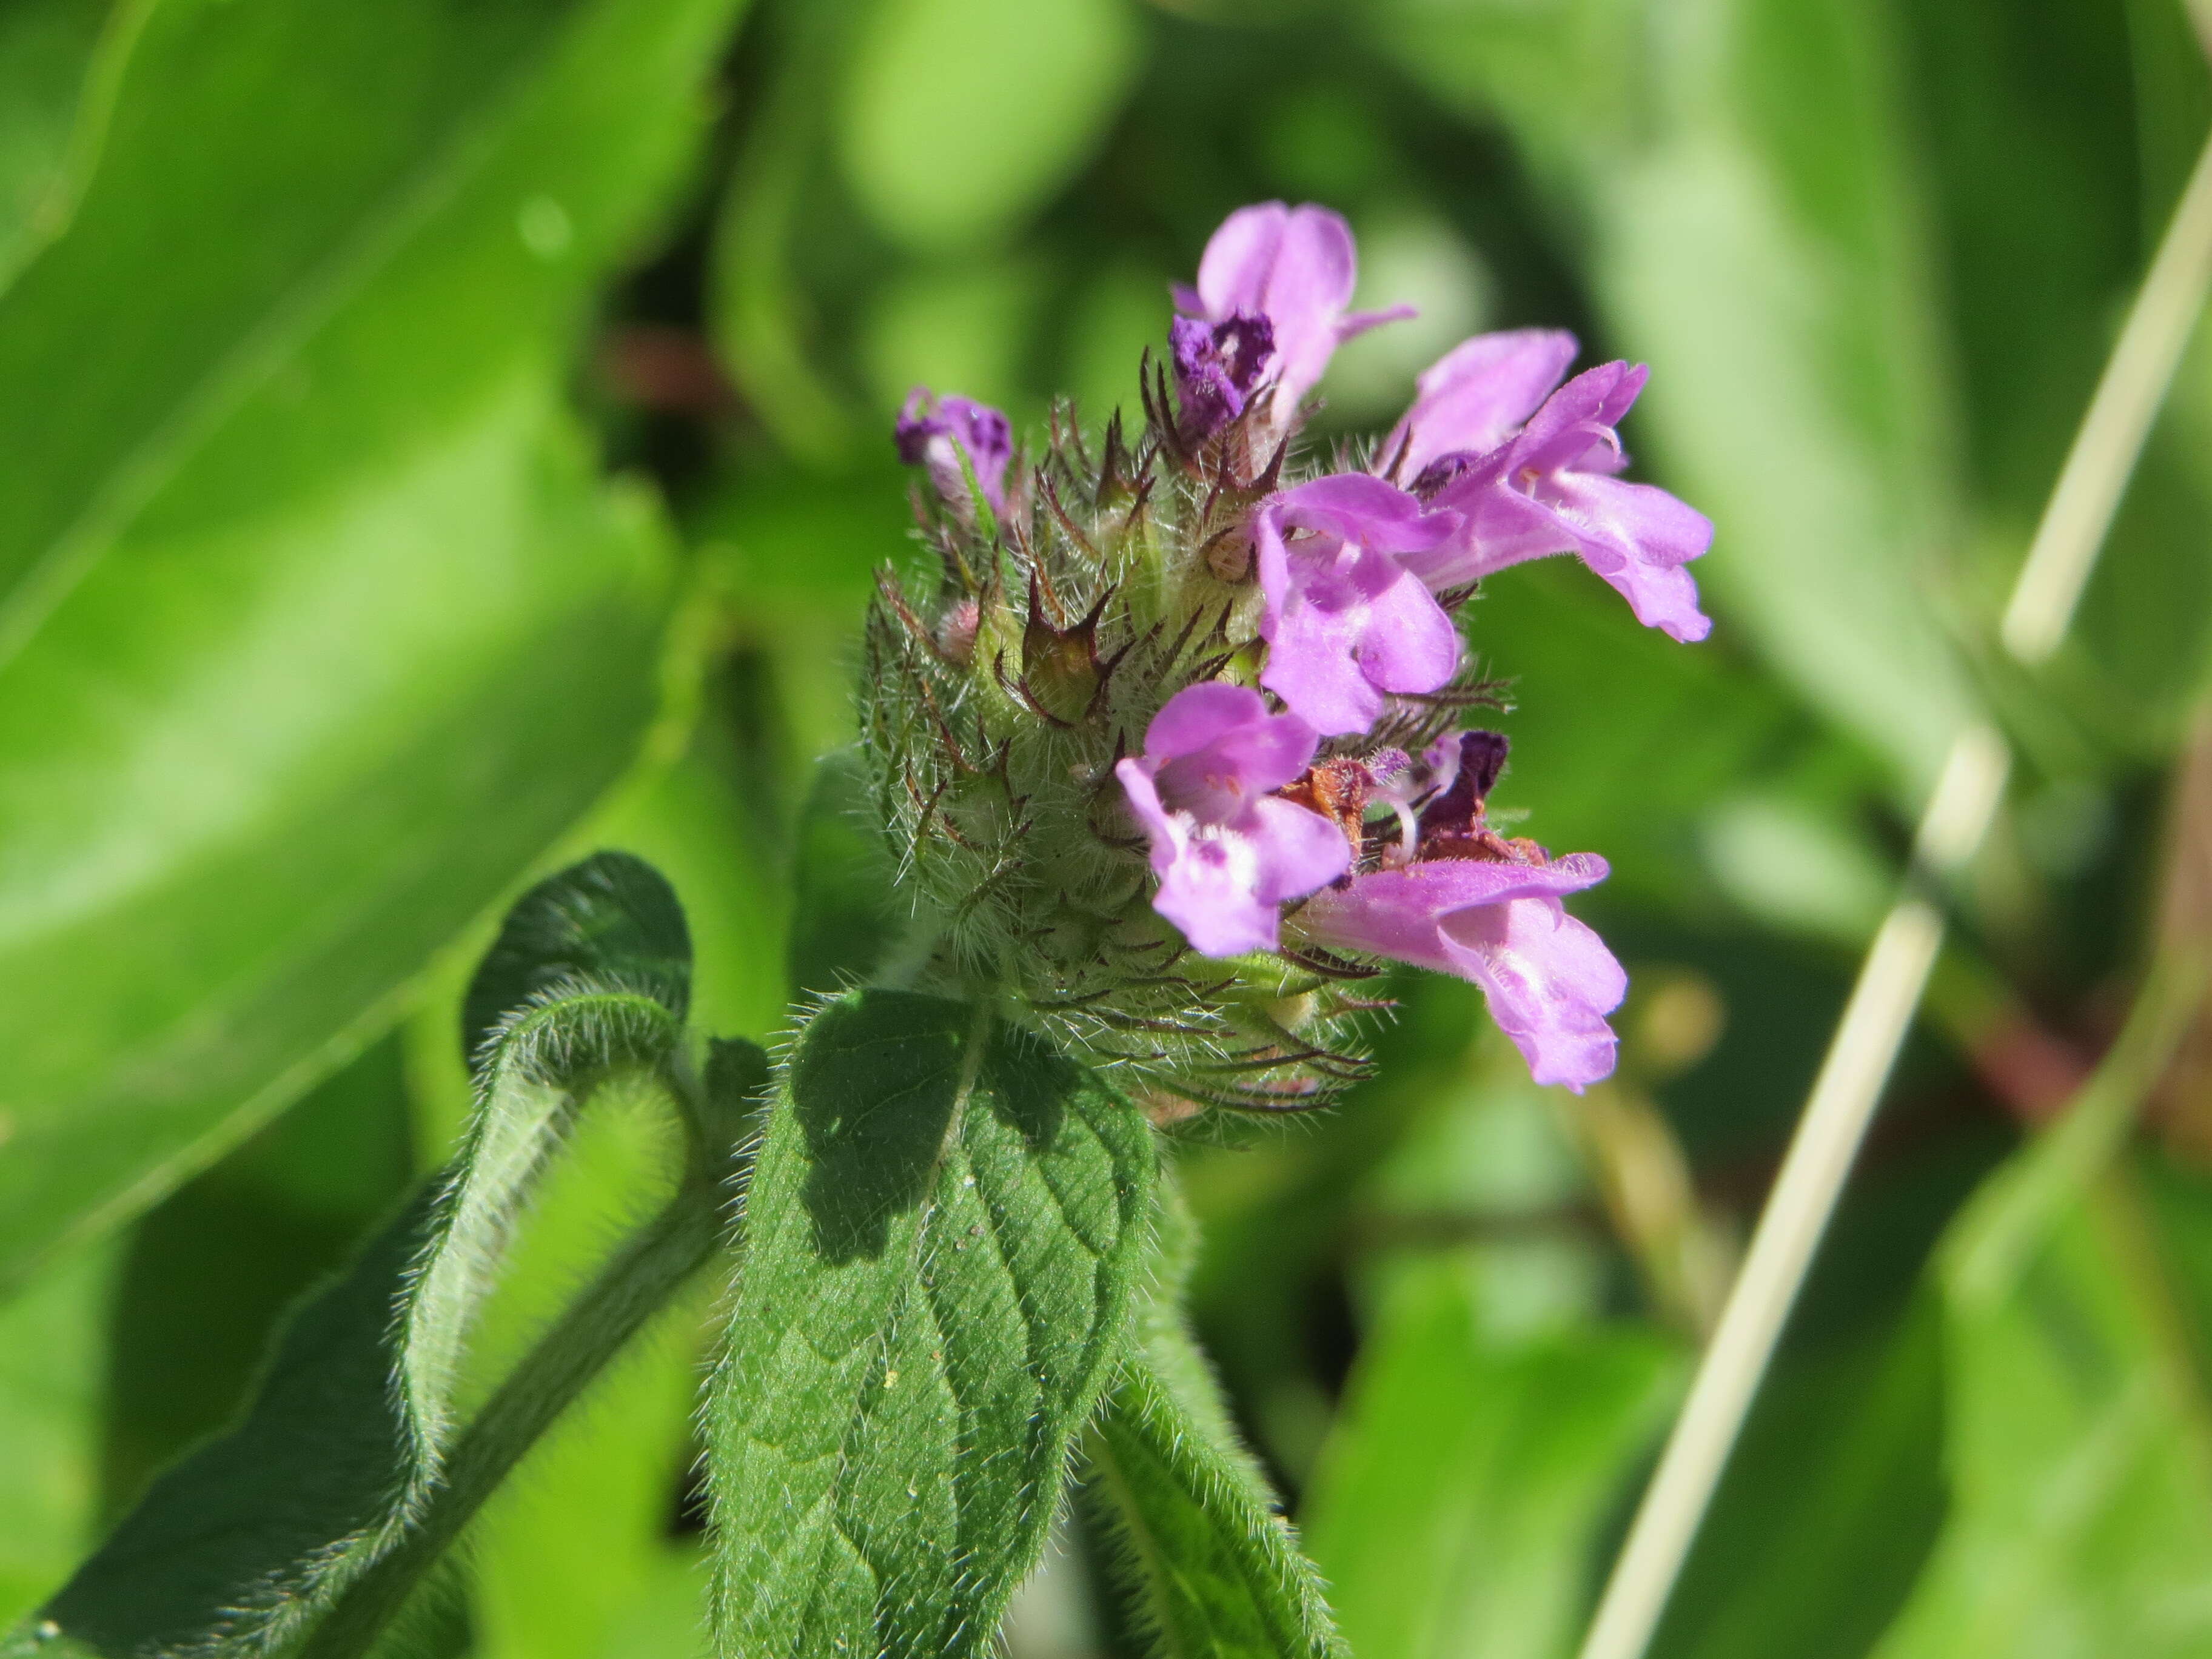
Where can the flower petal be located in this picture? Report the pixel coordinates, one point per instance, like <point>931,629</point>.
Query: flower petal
<point>1549,981</point>
<point>1478,395</point>
<point>1233,272</point>
<point>1358,506</point>
<point>1212,892</point>
<point>1300,851</point>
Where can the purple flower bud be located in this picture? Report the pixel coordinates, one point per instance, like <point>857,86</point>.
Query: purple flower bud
<point>1228,853</point>
<point>1552,489</point>
<point>936,432</point>
<point>1295,267</point>
<point>1345,621</point>
<point>1217,365</point>
<point>1549,981</point>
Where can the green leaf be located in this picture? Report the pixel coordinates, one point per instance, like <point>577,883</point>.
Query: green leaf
<point>49,50</point>
<point>590,977</point>
<point>847,915</point>
<point>943,1234</point>
<point>49,1409</point>
<point>318,629</point>
<point>1458,1507</point>
<point>2080,1441</point>
<point>1013,97</point>
<point>313,1519</point>
<point>1215,1569</point>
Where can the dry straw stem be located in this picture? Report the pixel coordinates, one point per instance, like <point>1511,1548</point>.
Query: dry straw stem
<point>1895,972</point>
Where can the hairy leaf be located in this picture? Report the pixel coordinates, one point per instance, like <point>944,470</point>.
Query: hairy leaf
<point>943,1233</point>
<point>223,1538</point>
<point>315,1517</point>
<point>1215,1570</point>
<point>591,975</point>
<point>317,628</point>
<point>209,1274</point>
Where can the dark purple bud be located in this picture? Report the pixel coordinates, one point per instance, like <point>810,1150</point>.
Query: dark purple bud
<point>1217,365</point>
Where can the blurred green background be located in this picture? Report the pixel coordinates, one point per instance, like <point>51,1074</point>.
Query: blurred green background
<point>440,436</point>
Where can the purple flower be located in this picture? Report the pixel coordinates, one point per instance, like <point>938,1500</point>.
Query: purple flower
<point>1296,267</point>
<point>1548,978</point>
<point>1552,489</point>
<point>936,432</point>
<point>1477,395</point>
<point>1345,619</point>
<point>1227,853</point>
<point>1218,365</point>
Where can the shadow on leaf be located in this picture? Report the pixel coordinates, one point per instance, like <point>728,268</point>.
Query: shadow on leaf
<point>872,1090</point>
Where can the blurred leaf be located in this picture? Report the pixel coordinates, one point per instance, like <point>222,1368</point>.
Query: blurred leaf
<point>320,629</point>
<point>49,51</point>
<point>2029,143</point>
<point>50,1403</point>
<point>210,1271</point>
<point>1458,1508</point>
<point>848,915</point>
<point>943,1235</point>
<point>1217,1570</point>
<point>1756,237</point>
<point>1598,698</point>
<point>961,115</point>
<point>1767,258</point>
<point>694,824</point>
<point>2057,135</point>
<point>2080,1445</point>
<point>764,314</point>
<point>969,329</point>
<point>1829,1505</point>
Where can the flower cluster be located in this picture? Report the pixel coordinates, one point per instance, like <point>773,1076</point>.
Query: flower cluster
<point>1169,734</point>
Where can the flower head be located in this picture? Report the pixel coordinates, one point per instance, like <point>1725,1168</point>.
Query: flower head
<point>1227,851</point>
<point>1074,702</point>
<point>1553,488</point>
<point>1295,267</point>
<point>1346,621</point>
<point>939,432</point>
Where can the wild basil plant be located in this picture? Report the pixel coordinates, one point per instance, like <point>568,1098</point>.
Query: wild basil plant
<point>1168,747</point>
